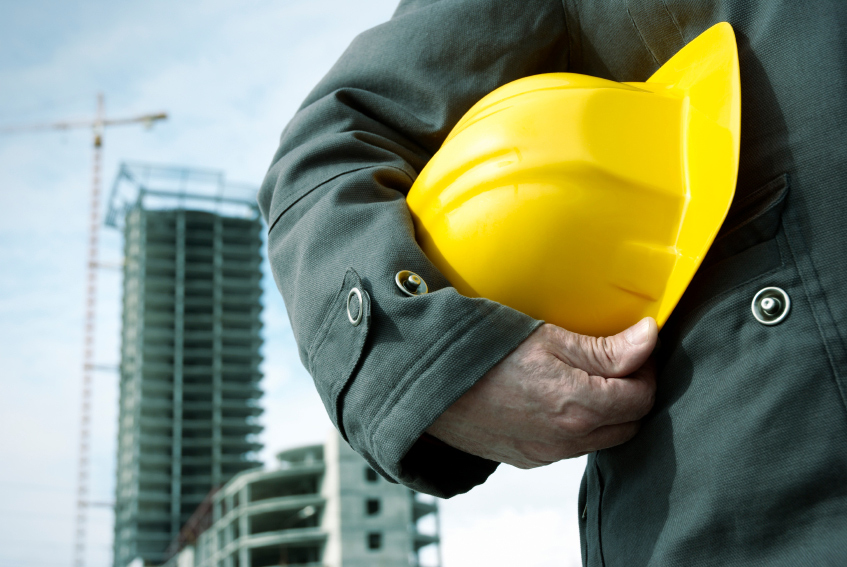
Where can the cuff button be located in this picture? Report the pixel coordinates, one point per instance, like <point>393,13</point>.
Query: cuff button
<point>410,283</point>
<point>771,305</point>
<point>360,310</point>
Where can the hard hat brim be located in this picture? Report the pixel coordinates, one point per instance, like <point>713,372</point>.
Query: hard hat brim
<point>706,74</point>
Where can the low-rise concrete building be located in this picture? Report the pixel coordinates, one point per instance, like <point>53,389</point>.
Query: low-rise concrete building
<point>322,507</point>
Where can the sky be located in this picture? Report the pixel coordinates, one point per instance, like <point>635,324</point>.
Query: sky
<point>230,75</point>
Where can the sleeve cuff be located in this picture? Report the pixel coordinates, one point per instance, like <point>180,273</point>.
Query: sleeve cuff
<point>482,334</point>
<point>442,470</point>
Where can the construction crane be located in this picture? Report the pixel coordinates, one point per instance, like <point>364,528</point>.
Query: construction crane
<point>97,126</point>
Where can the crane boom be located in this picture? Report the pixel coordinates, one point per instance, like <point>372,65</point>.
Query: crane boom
<point>146,119</point>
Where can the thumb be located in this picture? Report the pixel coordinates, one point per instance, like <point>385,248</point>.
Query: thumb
<point>615,356</point>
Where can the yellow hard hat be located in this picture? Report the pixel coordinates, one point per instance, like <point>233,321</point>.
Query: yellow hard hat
<point>586,202</point>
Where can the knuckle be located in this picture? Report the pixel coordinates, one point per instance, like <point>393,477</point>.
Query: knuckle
<point>646,399</point>
<point>614,353</point>
<point>580,375</point>
<point>558,339</point>
<point>575,426</point>
<point>549,332</point>
<point>604,352</point>
<point>583,427</point>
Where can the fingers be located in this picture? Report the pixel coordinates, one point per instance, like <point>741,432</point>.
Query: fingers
<point>620,400</point>
<point>611,357</point>
<point>557,396</point>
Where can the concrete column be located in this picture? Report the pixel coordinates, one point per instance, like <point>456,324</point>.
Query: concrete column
<point>217,346</point>
<point>136,397</point>
<point>179,326</point>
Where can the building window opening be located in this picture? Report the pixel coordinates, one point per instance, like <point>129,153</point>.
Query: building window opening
<point>276,555</point>
<point>372,506</point>
<point>374,541</point>
<point>370,475</point>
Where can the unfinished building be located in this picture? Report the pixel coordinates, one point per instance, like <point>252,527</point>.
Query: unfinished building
<point>323,506</point>
<point>190,353</point>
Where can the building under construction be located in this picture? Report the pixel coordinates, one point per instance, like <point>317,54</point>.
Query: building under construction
<point>190,351</point>
<point>322,506</point>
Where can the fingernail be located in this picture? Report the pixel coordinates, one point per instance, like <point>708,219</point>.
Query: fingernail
<point>637,334</point>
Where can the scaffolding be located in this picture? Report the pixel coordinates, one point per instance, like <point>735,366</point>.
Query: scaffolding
<point>190,349</point>
<point>164,187</point>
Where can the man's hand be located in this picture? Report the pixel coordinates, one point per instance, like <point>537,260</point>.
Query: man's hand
<point>558,395</point>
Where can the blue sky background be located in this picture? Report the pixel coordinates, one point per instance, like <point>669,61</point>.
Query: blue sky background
<point>230,74</point>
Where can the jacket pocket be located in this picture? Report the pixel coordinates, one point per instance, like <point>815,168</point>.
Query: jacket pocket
<point>339,342</point>
<point>744,249</point>
<point>752,220</point>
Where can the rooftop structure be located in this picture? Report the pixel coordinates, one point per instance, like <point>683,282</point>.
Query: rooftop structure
<point>323,507</point>
<point>190,348</point>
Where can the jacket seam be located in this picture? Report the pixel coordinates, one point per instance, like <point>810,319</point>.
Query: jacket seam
<point>567,30</point>
<point>298,197</point>
<point>641,35</point>
<point>775,185</point>
<point>577,37</point>
<point>673,19</point>
<point>830,356</point>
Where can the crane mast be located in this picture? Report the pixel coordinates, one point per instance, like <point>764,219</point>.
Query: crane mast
<point>97,125</point>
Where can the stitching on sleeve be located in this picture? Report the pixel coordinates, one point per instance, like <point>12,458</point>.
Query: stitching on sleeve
<point>298,196</point>
<point>323,330</point>
<point>302,193</point>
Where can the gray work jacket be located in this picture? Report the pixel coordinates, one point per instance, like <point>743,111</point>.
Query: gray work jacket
<point>743,460</point>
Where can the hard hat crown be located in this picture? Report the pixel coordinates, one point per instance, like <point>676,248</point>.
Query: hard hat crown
<point>582,201</point>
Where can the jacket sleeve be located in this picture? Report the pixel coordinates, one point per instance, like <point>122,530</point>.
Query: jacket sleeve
<point>334,199</point>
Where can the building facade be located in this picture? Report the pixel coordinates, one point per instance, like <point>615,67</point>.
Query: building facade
<point>189,375</point>
<point>323,507</point>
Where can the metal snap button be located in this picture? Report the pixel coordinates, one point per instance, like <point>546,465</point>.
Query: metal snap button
<point>358,318</point>
<point>771,305</point>
<point>410,283</point>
